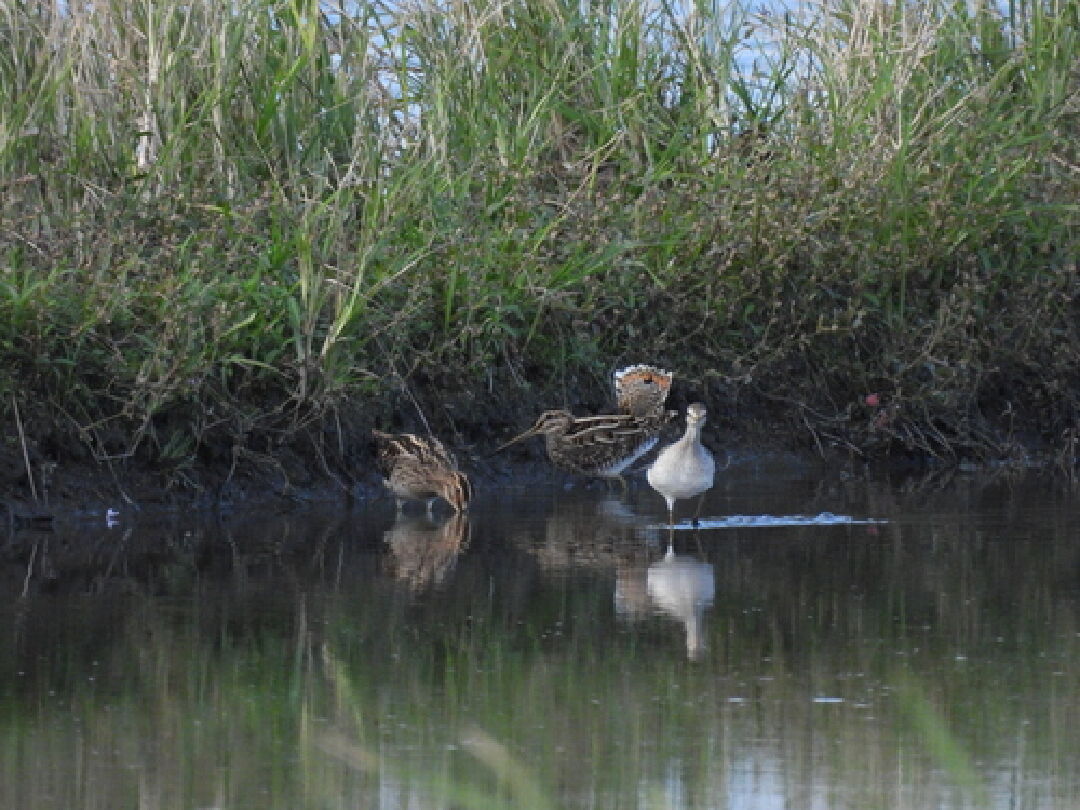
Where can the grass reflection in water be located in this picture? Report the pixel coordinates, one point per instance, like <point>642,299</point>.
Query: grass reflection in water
<point>546,652</point>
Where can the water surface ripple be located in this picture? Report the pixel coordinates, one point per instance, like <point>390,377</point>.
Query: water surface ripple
<point>817,641</point>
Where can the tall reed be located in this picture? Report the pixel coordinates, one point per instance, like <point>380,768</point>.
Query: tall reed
<point>222,221</point>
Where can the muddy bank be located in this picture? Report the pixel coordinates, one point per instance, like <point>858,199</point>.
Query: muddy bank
<point>53,476</point>
<point>49,473</point>
<point>78,491</point>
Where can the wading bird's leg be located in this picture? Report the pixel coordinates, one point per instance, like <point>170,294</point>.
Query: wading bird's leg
<point>697,512</point>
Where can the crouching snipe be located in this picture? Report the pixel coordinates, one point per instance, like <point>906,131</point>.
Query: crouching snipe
<point>416,469</point>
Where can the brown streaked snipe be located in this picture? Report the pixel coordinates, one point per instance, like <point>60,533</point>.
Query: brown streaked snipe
<point>603,446</point>
<point>686,468</point>
<point>606,446</point>
<point>418,469</point>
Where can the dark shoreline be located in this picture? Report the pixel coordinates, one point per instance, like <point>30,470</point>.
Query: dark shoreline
<point>130,535</point>
<point>84,491</point>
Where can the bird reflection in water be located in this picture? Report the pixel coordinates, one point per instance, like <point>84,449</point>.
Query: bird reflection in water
<point>679,586</point>
<point>423,553</point>
<point>582,534</point>
<point>579,533</point>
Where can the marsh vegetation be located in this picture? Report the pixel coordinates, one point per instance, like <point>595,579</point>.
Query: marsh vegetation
<point>234,232</point>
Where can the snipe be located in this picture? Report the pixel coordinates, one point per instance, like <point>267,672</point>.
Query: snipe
<point>417,469</point>
<point>686,468</point>
<point>605,446</point>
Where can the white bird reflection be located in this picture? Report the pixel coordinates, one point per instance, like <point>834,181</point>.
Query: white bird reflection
<point>678,585</point>
<point>422,552</point>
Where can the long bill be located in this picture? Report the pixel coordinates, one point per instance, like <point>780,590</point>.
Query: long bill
<point>530,432</point>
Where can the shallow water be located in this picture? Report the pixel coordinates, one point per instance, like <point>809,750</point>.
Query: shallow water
<point>816,642</point>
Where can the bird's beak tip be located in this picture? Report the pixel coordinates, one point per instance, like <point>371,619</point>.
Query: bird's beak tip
<point>515,440</point>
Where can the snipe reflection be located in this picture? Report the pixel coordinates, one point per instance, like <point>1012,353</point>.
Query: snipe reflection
<point>580,532</point>
<point>424,552</point>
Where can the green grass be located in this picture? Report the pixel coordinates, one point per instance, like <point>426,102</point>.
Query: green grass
<point>233,226</point>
